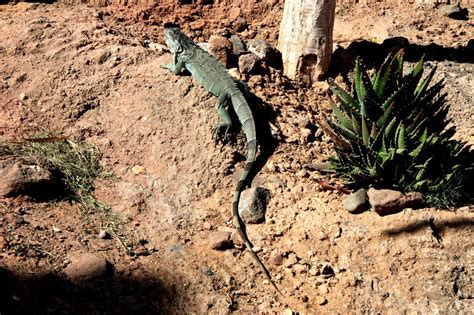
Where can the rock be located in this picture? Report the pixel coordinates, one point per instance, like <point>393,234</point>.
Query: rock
<point>234,13</point>
<point>103,234</point>
<point>240,24</point>
<point>23,96</point>
<point>220,47</point>
<point>207,226</point>
<point>220,240</point>
<point>320,300</point>
<point>323,289</point>
<point>156,46</point>
<point>247,63</point>
<point>252,205</point>
<point>356,202</point>
<point>321,86</point>
<point>291,260</point>
<point>234,72</point>
<point>138,169</point>
<point>18,176</point>
<point>288,311</point>
<point>299,268</point>
<point>198,25</point>
<point>266,53</point>
<point>85,266</point>
<point>314,271</point>
<point>454,11</point>
<point>3,243</point>
<point>275,259</point>
<point>387,201</point>
<point>238,48</point>
<point>260,48</point>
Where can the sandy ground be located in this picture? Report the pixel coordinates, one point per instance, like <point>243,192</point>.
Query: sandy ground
<point>89,73</point>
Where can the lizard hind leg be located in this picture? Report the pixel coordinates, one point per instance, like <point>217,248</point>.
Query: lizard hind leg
<point>221,129</point>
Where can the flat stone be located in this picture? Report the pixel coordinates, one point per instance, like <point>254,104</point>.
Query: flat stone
<point>356,202</point>
<point>220,47</point>
<point>387,201</point>
<point>22,177</point>
<point>247,63</point>
<point>252,205</point>
<point>220,240</point>
<point>85,266</point>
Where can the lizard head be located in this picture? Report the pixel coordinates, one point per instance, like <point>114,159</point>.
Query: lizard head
<point>176,40</point>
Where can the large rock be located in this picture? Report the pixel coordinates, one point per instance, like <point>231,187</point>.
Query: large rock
<point>252,205</point>
<point>18,176</point>
<point>356,202</point>
<point>387,201</point>
<point>247,63</point>
<point>220,47</point>
<point>85,266</point>
<point>265,52</point>
<point>238,48</point>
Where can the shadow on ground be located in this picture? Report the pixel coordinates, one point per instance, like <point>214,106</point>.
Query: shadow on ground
<point>52,294</point>
<point>373,54</point>
<point>435,225</point>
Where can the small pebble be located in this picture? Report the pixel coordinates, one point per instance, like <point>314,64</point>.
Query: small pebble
<point>103,234</point>
<point>298,268</point>
<point>220,240</point>
<point>3,243</point>
<point>138,169</point>
<point>323,289</point>
<point>321,300</point>
<point>207,226</point>
<point>275,259</point>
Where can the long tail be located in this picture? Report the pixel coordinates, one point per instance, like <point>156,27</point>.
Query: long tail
<point>235,210</point>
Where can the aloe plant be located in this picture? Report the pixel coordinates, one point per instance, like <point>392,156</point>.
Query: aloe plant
<point>390,131</point>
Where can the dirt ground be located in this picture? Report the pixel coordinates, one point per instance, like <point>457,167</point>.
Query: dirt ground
<point>92,74</point>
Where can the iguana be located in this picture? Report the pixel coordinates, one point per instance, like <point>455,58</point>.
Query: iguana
<point>213,76</point>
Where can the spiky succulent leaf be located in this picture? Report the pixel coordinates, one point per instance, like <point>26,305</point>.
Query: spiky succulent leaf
<point>347,101</point>
<point>391,131</point>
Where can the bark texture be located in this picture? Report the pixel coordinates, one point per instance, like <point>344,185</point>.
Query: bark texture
<point>305,38</point>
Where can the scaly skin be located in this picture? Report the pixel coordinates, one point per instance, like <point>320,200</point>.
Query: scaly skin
<point>212,75</point>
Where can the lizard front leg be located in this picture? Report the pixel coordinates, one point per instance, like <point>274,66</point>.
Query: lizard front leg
<point>176,67</point>
<point>223,102</point>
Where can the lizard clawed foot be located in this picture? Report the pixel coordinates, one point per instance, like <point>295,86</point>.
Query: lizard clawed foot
<point>217,132</point>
